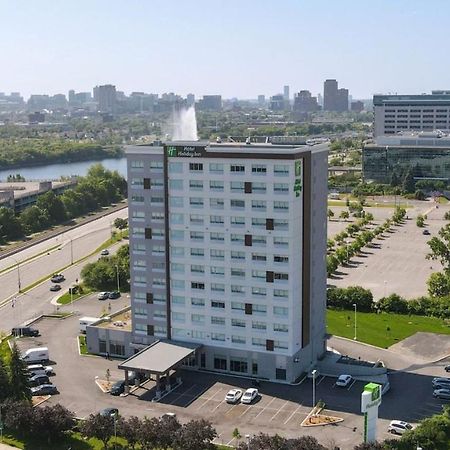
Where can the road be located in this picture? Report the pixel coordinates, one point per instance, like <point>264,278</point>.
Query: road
<point>23,307</point>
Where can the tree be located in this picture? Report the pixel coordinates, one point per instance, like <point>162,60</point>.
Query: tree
<point>148,434</point>
<point>419,195</point>
<point>73,203</point>
<point>100,427</point>
<point>18,371</point>
<point>10,227</point>
<point>447,215</point>
<point>332,264</point>
<point>129,429</point>
<point>439,284</point>
<point>394,180</point>
<point>120,223</point>
<point>420,221</point>
<point>168,429</point>
<point>330,214</point>
<point>51,422</point>
<point>17,415</point>
<point>33,219</point>
<point>5,388</point>
<point>370,446</point>
<point>393,303</point>
<point>344,215</point>
<point>408,184</point>
<point>265,442</point>
<point>440,247</point>
<point>345,298</point>
<point>53,206</point>
<point>195,435</point>
<point>304,443</point>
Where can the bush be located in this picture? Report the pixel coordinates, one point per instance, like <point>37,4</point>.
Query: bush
<point>345,298</point>
<point>419,195</point>
<point>393,303</point>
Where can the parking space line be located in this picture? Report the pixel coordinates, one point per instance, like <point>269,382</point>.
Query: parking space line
<point>248,408</point>
<point>223,401</point>
<point>209,399</point>
<point>262,410</point>
<point>276,414</point>
<point>320,381</point>
<point>292,415</point>
<point>182,394</point>
<point>353,382</point>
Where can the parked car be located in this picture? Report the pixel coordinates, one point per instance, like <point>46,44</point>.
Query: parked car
<point>55,287</point>
<point>44,389</point>
<point>38,380</point>
<point>249,395</point>
<point>25,331</point>
<point>344,380</point>
<point>105,252</point>
<point>114,294</point>
<point>399,427</point>
<point>109,412</point>
<point>169,415</point>
<point>117,388</point>
<point>39,369</point>
<point>103,295</point>
<point>442,393</point>
<point>426,232</point>
<point>57,278</point>
<point>440,381</point>
<point>447,368</point>
<point>36,355</point>
<point>233,396</point>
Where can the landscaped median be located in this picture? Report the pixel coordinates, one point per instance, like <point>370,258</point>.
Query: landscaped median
<point>381,329</point>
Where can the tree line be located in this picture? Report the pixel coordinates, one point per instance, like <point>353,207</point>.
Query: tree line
<point>100,187</point>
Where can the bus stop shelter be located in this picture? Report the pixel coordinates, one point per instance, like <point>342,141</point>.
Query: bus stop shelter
<point>159,359</point>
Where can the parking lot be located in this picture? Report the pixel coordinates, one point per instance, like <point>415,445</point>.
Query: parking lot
<point>279,409</point>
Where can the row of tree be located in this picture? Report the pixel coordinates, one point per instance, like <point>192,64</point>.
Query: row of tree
<point>100,187</point>
<point>102,275</point>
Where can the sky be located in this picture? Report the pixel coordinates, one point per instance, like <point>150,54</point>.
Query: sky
<point>237,48</point>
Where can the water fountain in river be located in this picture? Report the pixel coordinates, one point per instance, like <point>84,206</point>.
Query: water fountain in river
<point>184,125</point>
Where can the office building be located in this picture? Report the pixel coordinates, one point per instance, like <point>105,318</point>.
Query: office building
<point>278,103</point>
<point>427,154</point>
<point>190,100</point>
<point>106,98</point>
<point>304,102</point>
<point>210,103</point>
<point>228,245</point>
<point>286,93</point>
<point>334,99</point>
<point>427,112</point>
<point>261,100</point>
<point>357,106</point>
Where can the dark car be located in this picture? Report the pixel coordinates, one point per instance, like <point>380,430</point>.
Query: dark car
<point>426,232</point>
<point>109,412</point>
<point>25,331</point>
<point>55,287</point>
<point>57,278</point>
<point>44,389</point>
<point>117,388</point>
<point>38,380</point>
<point>447,368</point>
<point>114,294</point>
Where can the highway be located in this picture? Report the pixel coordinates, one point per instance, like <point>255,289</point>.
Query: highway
<point>53,254</point>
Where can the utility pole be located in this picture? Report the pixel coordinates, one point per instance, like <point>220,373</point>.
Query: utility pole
<point>314,376</point>
<point>71,251</point>
<point>354,338</point>
<point>118,282</point>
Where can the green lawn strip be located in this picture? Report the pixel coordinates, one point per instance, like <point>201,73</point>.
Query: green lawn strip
<point>370,204</point>
<point>29,259</point>
<point>82,345</point>
<point>66,298</point>
<point>381,330</point>
<point>5,351</point>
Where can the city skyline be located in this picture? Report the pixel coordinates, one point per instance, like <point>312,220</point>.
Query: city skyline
<point>176,47</point>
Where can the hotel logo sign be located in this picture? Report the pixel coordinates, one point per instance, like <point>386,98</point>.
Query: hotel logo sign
<point>185,151</point>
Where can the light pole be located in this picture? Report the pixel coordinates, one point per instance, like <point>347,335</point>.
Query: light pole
<point>118,282</point>
<point>354,305</point>
<point>19,285</point>
<point>71,251</point>
<point>385,283</point>
<point>115,430</point>
<point>314,376</point>
<point>248,437</point>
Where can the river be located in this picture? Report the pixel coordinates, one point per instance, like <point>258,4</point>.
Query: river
<point>55,171</point>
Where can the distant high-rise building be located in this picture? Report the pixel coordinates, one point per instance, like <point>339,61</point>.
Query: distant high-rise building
<point>334,99</point>
<point>286,93</point>
<point>320,99</point>
<point>357,106</point>
<point>211,103</point>
<point>261,100</point>
<point>71,96</point>
<point>305,102</point>
<point>190,100</point>
<point>277,103</point>
<point>106,98</point>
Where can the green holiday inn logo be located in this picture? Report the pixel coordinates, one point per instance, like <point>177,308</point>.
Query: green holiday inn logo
<point>171,151</point>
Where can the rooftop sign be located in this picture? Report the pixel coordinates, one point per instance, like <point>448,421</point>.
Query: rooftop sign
<point>185,151</point>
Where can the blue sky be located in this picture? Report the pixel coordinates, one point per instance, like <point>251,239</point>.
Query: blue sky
<point>236,48</point>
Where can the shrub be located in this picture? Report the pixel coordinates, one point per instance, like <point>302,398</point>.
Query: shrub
<point>345,298</point>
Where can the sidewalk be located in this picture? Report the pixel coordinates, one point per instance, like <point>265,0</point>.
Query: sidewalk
<point>6,447</point>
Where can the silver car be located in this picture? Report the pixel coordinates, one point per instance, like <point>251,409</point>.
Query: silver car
<point>442,393</point>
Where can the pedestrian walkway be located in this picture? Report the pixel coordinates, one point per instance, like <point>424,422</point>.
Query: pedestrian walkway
<point>6,447</point>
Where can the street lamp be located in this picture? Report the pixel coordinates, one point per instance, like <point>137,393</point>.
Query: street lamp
<point>354,305</point>
<point>19,285</point>
<point>314,374</point>
<point>115,430</point>
<point>118,282</point>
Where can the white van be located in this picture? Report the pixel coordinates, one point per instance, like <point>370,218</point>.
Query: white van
<point>36,355</point>
<point>85,321</point>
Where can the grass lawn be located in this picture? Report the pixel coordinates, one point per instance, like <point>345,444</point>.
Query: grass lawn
<point>82,344</point>
<point>384,329</point>
<point>5,351</point>
<point>66,298</point>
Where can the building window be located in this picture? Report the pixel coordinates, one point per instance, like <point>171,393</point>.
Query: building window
<point>197,285</point>
<point>261,257</point>
<point>237,204</point>
<point>176,185</point>
<point>217,237</point>
<point>196,219</point>
<point>198,318</point>
<point>237,306</point>
<point>177,219</point>
<point>259,325</point>
<point>216,185</point>
<point>220,362</point>
<point>280,293</point>
<point>261,309</point>
<point>217,254</point>
<point>217,337</point>
<point>280,311</point>
<point>237,255</point>
<point>280,259</point>
<point>196,202</point>
<point>160,330</point>
<point>216,203</point>
<point>279,188</point>
<point>281,170</point>
<point>234,168</point>
<point>195,167</point>
<point>259,274</point>
<point>176,202</point>
<point>259,240</point>
<point>259,168</point>
<point>116,348</point>
<point>283,345</point>
<point>137,164</point>
<point>176,267</point>
<point>154,184</point>
<point>177,284</point>
<point>235,289</point>
<point>217,320</point>
<point>217,287</point>
<point>216,220</point>
<point>217,304</point>
<point>281,206</point>
<point>177,251</point>
<point>178,300</point>
<point>178,316</point>
<point>196,185</point>
<point>238,339</point>
<point>280,374</point>
<point>259,291</point>
<point>280,241</point>
<point>236,272</point>
<point>238,323</point>
<point>175,167</point>
<point>237,221</point>
<point>259,205</point>
<point>197,235</point>
<point>217,271</point>
<point>137,182</point>
<point>237,238</point>
<point>157,216</point>
<point>238,364</point>
<point>198,302</point>
<point>216,167</point>
<point>195,268</point>
<point>258,342</point>
<point>176,235</point>
<point>237,186</point>
<point>280,327</point>
<point>281,276</point>
<point>156,166</point>
<point>137,199</point>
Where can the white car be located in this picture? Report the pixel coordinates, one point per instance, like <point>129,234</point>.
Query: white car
<point>399,427</point>
<point>103,295</point>
<point>249,395</point>
<point>344,380</point>
<point>233,396</point>
<point>104,252</point>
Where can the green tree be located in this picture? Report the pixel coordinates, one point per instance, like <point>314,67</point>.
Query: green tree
<point>419,195</point>
<point>73,203</point>
<point>393,304</point>
<point>194,435</point>
<point>18,372</point>
<point>53,206</point>
<point>394,180</point>
<point>100,427</point>
<point>129,429</point>
<point>408,184</point>
<point>10,227</point>
<point>120,223</point>
<point>439,284</point>
<point>332,264</point>
<point>5,387</point>
<point>330,214</point>
<point>51,422</point>
<point>440,247</point>
<point>34,219</point>
<point>420,221</point>
<point>344,215</point>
